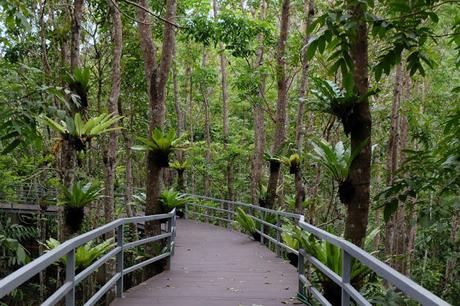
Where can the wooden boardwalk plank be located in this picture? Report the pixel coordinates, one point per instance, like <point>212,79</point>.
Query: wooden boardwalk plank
<point>216,267</point>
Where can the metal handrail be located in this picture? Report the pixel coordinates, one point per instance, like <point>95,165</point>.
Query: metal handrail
<point>349,252</point>
<point>68,248</point>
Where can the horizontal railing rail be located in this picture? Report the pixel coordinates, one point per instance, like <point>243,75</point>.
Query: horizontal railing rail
<point>348,249</point>
<point>68,249</point>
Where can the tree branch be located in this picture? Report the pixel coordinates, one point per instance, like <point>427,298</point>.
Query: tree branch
<point>153,14</point>
<point>127,16</point>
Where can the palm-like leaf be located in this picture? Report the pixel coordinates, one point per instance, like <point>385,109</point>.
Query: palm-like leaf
<point>329,96</point>
<point>86,254</point>
<point>325,252</point>
<point>244,221</point>
<point>171,198</point>
<point>336,101</point>
<point>79,195</point>
<point>11,245</point>
<point>82,77</point>
<point>178,166</point>
<point>162,144</point>
<point>78,128</point>
<point>336,159</point>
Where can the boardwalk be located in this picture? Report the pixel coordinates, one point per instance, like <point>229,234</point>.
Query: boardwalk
<point>215,267</point>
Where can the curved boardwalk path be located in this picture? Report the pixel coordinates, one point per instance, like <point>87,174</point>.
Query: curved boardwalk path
<point>216,267</point>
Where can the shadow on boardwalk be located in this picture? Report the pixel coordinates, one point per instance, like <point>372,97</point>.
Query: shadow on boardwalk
<point>216,267</point>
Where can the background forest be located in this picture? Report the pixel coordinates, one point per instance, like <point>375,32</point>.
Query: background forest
<point>345,111</point>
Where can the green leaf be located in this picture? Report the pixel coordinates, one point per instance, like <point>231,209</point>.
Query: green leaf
<point>311,49</point>
<point>389,209</point>
<point>10,147</point>
<point>433,16</point>
<point>348,82</point>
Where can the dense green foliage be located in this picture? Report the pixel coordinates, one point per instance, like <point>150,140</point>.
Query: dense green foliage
<point>210,146</point>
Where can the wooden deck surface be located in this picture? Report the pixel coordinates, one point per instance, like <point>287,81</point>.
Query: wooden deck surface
<point>216,267</point>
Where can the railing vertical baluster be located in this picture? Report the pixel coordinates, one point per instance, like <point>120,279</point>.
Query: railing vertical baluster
<point>278,236</point>
<point>301,271</point>
<point>170,224</point>
<point>119,260</point>
<point>70,277</point>
<point>186,211</point>
<point>346,271</point>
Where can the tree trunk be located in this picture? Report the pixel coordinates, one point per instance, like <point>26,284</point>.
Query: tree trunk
<point>452,273</point>
<point>223,73</point>
<point>282,104</point>
<point>359,173</point>
<point>75,34</point>
<point>67,164</point>
<point>257,159</point>
<point>177,105</point>
<point>300,122</point>
<point>156,79</point>
<point>44,55</point>
<point>112,106</point>
<point>309,12</point>
<point>110,158</point>
<point>207,129</point>
<point>68,159</point>
<point>190,119</point>
<point>129,182</point>
<point>259,124</point>
<point>129,179</point>
<point>180,122</point>
<point>407,224</point>
<point>392,158</point>
<point>157,116</point>
<point>146,42</point>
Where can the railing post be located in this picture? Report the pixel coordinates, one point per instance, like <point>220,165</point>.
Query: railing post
<point>119,261</point>
<point>170,224</point>
<point>301,271</point>
<point>262,227</point>
<point>173,236</point>
<point>70,277</point>
<point>278,236</point>
<point>186,211</point>
<point>346,272</point>
<point>229,216</point>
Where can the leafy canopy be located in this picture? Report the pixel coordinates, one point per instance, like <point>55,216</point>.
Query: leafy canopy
<point>236,32</point>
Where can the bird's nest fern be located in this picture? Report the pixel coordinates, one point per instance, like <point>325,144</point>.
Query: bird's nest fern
<point>161,145</point>
<point>79,132</point>
<point>339,102</point>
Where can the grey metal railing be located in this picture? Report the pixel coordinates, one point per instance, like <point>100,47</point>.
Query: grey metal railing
<point>68,249</point>
<point>225,213</point>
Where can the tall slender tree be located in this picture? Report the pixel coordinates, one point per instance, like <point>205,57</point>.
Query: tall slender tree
<point>112,107</point>
<point>308,11</point>
<point>279,137</point>
<point>156,76</point>
<point>223,75</point>
<point>360,170</point>
<point>258,115</point>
